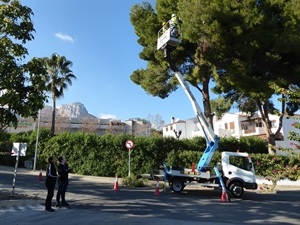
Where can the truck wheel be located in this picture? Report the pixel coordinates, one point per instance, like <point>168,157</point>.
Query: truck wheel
<point>236,189</point>
<point>177,186</point>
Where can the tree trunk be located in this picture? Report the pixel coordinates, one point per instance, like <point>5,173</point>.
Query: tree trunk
<point>206,101</point>
<point>263,109</point>
<point>271,144</point>
<point>53,116</point>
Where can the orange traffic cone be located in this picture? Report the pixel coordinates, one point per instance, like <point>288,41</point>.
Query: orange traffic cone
<point>193,167</point>
<point>224,197</point>
<point>40,178</point>
<point>157,193</point>
<point>116,186</point>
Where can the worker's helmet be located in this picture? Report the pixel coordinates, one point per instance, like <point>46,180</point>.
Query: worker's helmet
<point>173,15</point>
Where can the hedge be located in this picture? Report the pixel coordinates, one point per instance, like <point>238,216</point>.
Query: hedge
<point>89,154</point>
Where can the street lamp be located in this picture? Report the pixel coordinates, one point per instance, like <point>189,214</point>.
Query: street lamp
<point>177,134</point>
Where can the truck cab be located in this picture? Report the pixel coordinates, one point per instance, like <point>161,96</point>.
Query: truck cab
<point>238,172</point>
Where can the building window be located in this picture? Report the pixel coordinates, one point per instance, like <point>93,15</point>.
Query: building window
<point>226,126</point>
<point>244,127</point>
<point>259,124</point>
<point>231,126</point>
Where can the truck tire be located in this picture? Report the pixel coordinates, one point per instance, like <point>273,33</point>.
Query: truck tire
<point>177,185</point>
<point>236,189</point>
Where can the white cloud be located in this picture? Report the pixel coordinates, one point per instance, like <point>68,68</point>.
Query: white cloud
<point>64,37</point>
<point>107,116</point>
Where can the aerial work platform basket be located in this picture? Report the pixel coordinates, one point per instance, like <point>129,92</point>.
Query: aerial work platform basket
<point>164,37</point>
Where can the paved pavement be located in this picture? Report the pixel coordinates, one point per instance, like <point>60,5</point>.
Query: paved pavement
<point>32,209</point>
<point>41,194</point>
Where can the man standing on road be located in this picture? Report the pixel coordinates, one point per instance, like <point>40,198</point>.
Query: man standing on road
<point>51,177</point>
<point>63,181</point>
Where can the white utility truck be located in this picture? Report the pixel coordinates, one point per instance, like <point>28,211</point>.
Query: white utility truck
<point>235,172</point>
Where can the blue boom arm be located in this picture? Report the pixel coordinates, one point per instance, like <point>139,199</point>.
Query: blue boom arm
<point>212,140</point>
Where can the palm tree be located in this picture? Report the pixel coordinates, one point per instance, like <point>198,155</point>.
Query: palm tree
<point>59,76</point>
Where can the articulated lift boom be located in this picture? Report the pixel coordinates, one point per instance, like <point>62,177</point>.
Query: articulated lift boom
<point>165,40</point>
<point>226,174</point>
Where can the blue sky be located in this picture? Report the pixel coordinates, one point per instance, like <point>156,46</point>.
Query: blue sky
<point>97,36</point>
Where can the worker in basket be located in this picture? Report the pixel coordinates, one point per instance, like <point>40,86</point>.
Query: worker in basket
<point>164,27</point>
<point>175,24</point>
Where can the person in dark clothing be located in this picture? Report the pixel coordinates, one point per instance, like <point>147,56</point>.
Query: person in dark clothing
<point>63,182</point>
<point>51,177</point>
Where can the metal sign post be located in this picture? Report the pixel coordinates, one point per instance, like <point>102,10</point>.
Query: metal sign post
<point>129,145</point>
<point>19,149</point>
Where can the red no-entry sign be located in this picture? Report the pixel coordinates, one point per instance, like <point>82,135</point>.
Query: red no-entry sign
<point>129,144</point>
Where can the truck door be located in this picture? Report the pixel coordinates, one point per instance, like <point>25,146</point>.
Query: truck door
<point>238,166</point>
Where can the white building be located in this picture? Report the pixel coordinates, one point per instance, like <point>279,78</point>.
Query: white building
<point>235,125</point>
<point>133,126</point>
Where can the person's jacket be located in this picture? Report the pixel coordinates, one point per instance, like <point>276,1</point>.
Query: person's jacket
<point>175,21</point>
<point>51,174</point>
<point>63,171</point>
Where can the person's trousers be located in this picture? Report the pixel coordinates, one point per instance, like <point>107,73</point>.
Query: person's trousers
<point>61,192</point>
<point>50,188</point>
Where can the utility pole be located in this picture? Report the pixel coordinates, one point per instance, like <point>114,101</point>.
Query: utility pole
<point>37,141</point>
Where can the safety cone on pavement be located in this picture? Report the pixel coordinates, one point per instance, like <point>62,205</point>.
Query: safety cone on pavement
<point>40,177</point>
<point>224,197</point>
<point>116,186</point>
<point>193,167</point>
<point>157,193</point>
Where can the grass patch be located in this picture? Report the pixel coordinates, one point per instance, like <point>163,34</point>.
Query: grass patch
<point>133,181</point>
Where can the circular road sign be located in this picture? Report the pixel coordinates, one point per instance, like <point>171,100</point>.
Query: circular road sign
<point>129,144</point>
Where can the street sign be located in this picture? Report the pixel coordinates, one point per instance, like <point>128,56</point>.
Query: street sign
<point>129,144</point>
<point>19,149</point>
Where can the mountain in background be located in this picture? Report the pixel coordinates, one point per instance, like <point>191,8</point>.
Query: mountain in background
<point>73,110</point>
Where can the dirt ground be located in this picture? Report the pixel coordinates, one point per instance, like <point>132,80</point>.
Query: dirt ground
<point>4,195</point>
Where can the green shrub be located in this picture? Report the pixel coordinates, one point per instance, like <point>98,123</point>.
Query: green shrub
<point>133,181</point>
<point>89,154</point>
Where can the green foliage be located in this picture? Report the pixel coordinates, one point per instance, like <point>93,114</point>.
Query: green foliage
<point>295,136</point>
<point>59,77</point>
<point>244,144</point>
<point>220,106</point>
<point>133,181</point>
<point>230,144</point>
<point>275,168</point>
<point>222,41</point>
<point>89,154</point>
<point>253,145</point>
<point>5,150</point>
<point>22,84</point>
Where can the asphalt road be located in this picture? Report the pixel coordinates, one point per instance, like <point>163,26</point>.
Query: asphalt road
<point>93,201</point>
